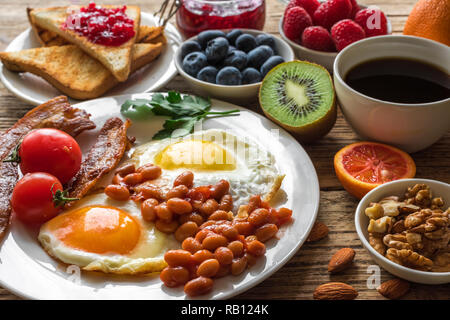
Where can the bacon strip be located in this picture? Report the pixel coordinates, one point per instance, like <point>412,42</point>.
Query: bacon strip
<point>104,156</point>
<point>55,113</point>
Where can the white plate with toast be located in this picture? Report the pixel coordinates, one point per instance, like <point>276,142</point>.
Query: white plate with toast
<point>28,271</point>
<point>155,75</point>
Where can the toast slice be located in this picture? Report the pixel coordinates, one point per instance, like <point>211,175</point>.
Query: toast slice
<point>71,70</point>
<point>116,59</point>
<point>48,38</point>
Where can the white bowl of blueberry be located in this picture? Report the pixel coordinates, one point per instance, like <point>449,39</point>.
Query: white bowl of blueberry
<point>230,64</point>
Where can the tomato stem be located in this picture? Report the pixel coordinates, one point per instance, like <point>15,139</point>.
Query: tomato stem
<point>14,156</point>
<point>60,197</point>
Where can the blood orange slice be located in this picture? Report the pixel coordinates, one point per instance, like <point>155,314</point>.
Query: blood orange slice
<point>363,166</point>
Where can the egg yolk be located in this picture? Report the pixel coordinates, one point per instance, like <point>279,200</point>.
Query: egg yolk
<point>195,154</point>
<point>97,229</point>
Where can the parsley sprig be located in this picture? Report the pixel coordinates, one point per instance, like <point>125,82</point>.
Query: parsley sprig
<point>183,112</point>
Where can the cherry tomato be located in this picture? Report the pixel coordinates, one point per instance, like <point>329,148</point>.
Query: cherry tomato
<point>52,151</point>
<point>37,197</point>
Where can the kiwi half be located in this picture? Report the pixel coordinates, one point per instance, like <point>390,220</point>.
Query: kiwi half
<point>299,96</point>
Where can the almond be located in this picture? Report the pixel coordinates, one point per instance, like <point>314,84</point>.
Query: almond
<point>318,231</point>
<point>341,260</point>
<point>335,291</point>
<point>394,289</point>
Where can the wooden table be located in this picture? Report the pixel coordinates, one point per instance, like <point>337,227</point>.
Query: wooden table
<point>308,268</point>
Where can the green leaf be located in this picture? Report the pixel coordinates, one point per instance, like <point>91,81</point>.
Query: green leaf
<point>138,109</point>
<point>175,128</point>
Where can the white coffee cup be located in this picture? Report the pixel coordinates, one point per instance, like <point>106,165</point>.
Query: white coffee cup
<point>410,127</point>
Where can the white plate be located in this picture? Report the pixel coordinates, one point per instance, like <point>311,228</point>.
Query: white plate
<point>35,90</point>
<point>28,271</point>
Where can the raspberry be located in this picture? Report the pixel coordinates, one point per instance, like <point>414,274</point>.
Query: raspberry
<point>346,32</point>
<point>295,21</point>
<point>373,21</point>
<point>309,5</point>
<point>332,11</point>
<point>317,38</point>
<point>355,8</point>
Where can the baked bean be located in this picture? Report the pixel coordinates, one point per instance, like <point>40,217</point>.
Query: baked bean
<point>196,204</point>
<point>194,217</point>
<point>208,268</point>
<point>251,259</point>
<point>266,232</point>
<point>220,215</point>
<point>174,276</point>
<point>117,179</point>
<point>244,227</point>
<point>202,255</point>
<point>208,207</point>
<point>220,189</point>
<point>213,241</point>
<point>256,248</point>
<point>179,206</point>
<point>258,217</point>
<point>187,229</point>
<point>224,255</point>
<point>166,226</point>
<point>265,205</point>
<point>283,213</point>
<point>223,271</point>
<point>126,169</point>
<point>178,257</point>
<point>226,203</point>
<point>198,286</point>
<point>148,209</point>
<point>185,179</point>
<point>237,247</point>
<point>228,231</point>
<point>149,171</point>
<point>238,265</point>
<point>202,234</point>
<point>150,191</point>
<point>191,245</point>
<point>272,218</point>
<point>132,179</point>
<point>208,224</point>
<point>163,212</point>
<point>117,192</point>
<point>177,192</point>
<point>250,238</point>
<point>253,203</point>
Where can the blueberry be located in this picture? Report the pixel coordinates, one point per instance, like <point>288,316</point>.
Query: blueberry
<point>205,36</point>
<point>229,76</point>
<point>237,59</point>
<point>270,64</point>
<point>194,62</point>
<point>245,42</point>
<point>207,74</point>
<point>265,39</point>
<point>251,75</point>
<point>216,49</point>
<point>259,55</point>
<point>231,49</point>
<point>233,35</point>
<point>188,47</point>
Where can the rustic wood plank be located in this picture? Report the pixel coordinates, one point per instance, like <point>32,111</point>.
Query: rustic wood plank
<point>308,268</point>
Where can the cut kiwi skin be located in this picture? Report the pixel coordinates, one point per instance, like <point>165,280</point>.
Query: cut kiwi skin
<point>299,96</point>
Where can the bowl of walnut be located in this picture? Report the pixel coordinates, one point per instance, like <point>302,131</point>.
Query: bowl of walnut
<point>405,226</point>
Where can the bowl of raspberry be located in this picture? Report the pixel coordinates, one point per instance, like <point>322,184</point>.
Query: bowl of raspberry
<point>318,30</point>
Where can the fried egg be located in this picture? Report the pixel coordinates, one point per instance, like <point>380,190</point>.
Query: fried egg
<point>213,155</point>
<point>102,234</point>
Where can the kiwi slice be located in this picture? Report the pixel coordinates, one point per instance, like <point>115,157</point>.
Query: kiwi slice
<point>299,96</point>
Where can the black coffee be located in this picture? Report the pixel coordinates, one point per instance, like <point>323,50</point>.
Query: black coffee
<point>399,80</point>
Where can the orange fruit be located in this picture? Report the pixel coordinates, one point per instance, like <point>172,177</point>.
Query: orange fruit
<point>362,166</point>
<point>430,19</point>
